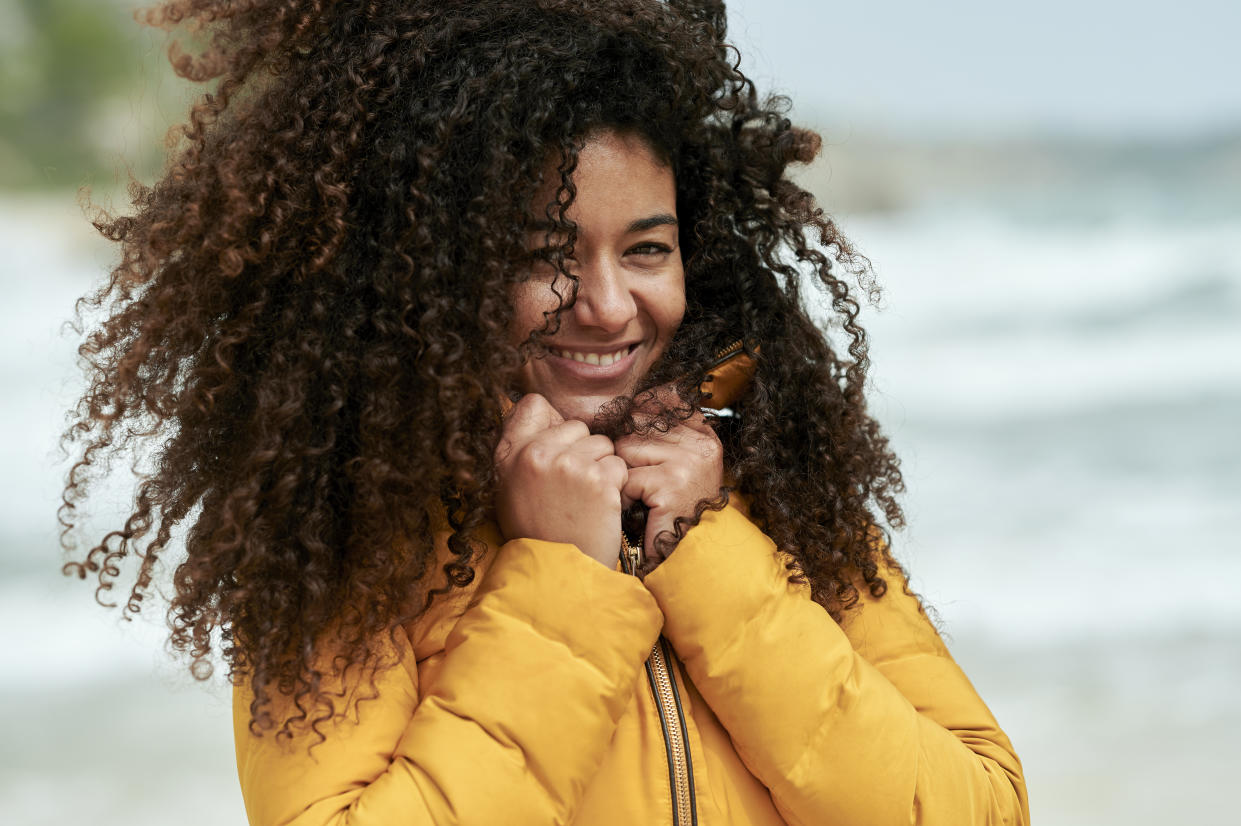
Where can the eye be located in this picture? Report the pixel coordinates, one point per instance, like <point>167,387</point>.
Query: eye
<point>542,260</point>
<point>650,248</point>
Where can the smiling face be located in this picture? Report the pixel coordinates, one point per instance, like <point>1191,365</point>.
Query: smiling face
<point>631,295</point>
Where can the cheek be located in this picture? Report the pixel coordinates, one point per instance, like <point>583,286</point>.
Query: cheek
<point>530,301</point>
<point>672,320</point>
<point>671,307</point>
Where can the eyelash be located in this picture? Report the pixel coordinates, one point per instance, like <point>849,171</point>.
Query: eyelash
<point>650,247</point>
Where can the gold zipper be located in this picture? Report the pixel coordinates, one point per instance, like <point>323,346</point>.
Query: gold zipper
<point>664,684</point>
<point>671,715</point>
<point>631,555</point>
<point>726,353</point>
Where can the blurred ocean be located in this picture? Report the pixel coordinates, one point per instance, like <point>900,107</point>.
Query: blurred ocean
<point>1060,369</point>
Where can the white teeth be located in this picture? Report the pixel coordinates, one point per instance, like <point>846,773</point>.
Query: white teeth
<point>605,360</point>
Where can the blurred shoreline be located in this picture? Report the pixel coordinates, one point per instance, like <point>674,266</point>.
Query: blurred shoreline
<point>1085,181</point>
<point>1176,179</point>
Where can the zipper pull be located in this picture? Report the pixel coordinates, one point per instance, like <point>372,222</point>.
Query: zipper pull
<point>631,555</point>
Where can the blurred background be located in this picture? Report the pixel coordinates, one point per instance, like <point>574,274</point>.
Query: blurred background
<point>1050,195</point>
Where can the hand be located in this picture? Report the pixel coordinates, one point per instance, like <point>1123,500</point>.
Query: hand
<point>557,482</point>
<point>671,472</point>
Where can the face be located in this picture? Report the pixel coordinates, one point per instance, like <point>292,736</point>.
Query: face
<point>632,285</point>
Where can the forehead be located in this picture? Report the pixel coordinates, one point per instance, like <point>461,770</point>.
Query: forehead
<point>618,176</point>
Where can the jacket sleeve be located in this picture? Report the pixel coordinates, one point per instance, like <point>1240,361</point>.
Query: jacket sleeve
<point>535,676</point>
<point>869,723</point>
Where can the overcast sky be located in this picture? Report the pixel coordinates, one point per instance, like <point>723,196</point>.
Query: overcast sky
<point>1111,67</point>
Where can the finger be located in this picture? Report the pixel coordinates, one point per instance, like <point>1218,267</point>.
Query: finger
<point>616,473</point>
<point>542,450</point>
<point>530,416</point>
<point>658,520</point>
<point>564,435</point>
<point>536,408</point>
<point>594,447</point>
<point>698,422</point>
<point>641,486</point>
<point>643,451</point>
<point>653,448</point>
<point>698,435</point>
<point>654,527</point>
<point>641,483</point>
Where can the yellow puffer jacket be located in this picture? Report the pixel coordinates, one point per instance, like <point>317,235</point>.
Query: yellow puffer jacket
<point>544,694</point>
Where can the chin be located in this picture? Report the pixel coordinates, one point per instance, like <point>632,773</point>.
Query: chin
<point>582,408</point>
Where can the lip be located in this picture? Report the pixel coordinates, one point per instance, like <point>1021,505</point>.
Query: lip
<point>593,372</point>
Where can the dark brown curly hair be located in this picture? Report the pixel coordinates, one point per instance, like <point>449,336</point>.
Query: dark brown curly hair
<point>310,318</point>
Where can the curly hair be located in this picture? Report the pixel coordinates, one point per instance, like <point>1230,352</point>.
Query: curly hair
<point>310,316</point>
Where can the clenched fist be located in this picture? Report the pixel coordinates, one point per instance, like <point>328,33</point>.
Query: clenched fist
<point>557,482</point>
<point>671,472</point>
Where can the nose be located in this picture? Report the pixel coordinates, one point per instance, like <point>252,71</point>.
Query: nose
<point>605,299</point>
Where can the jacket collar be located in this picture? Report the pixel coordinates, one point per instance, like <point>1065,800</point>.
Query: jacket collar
<point>730,377</point>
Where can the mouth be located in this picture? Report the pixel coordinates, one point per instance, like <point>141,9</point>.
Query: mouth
<point>593,364</point>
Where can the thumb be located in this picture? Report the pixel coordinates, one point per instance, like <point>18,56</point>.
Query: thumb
<point>658,520</point>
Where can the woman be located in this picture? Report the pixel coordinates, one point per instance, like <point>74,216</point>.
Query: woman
<point>426,315</point>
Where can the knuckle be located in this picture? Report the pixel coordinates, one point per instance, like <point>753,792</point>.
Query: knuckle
<point>616,468</point>
<point>593,476</point>
<point>538,454</point>
<point>565,463</point>
<point>533,401</point>
<point>522,411</point>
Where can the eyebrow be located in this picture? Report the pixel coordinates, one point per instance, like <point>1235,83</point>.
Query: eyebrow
<point>643,224</point>
<point>640,225</point>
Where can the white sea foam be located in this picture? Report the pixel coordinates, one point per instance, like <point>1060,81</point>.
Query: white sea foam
<point>984,319</point>
<point>1066,403</point>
